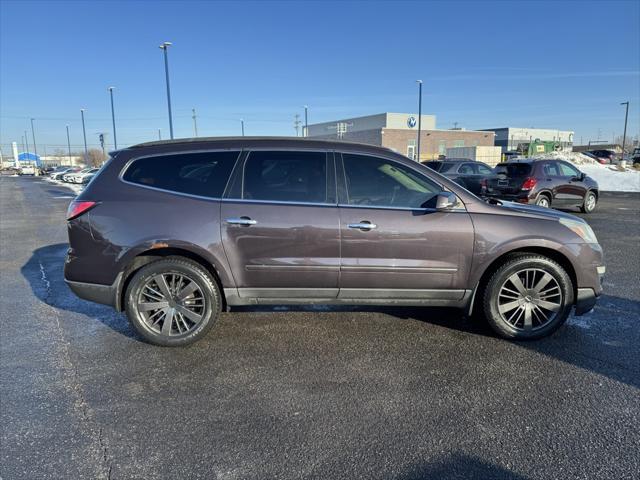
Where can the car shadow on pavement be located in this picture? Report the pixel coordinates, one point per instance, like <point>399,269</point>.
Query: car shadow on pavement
<point>459,466</point>
<point>44,272</point>
<point>603,341</point>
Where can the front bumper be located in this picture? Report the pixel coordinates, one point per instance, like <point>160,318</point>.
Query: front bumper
<point>586,298</point>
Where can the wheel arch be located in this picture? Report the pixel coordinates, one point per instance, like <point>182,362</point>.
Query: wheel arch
<point>554,255</point>
<point>151,255</point>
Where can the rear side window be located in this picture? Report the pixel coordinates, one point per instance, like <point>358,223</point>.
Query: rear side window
<point>466,168</point>
<point>204,174</point>
<point>514,169</point>
<point>286,176</point>
<point>483,169</point>
<point>434,165</point>
<point>550,169</point>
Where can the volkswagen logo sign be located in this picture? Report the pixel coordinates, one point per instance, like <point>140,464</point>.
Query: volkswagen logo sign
<point>411,122</point>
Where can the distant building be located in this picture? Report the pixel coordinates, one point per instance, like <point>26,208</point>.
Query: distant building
<point>399,132</point>
<point>509,137</point>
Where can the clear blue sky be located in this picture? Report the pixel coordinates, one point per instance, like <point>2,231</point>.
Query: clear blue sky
<point>564,65</point>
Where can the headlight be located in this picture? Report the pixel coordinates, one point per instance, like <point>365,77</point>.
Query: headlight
<point>582,229</point>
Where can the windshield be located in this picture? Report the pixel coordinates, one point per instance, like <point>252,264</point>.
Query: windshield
<point>514,169</point>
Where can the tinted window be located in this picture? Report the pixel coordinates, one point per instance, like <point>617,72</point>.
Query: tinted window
<point>434,165</point>
<point>447,167</point>
<point>484,170</point>
<point>550,169</point>
<point>514,169</point>
<point>384,183</point>
<point>204,174</point>
<point>286,176</point>
<point>466,168</point>
<point>567,170</point>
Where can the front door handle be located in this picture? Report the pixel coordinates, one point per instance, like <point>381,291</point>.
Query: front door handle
<point>246,221</point>
<point>363,225</point>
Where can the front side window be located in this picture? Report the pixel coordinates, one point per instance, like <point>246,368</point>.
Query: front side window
<point>378,182</point>
<point>286,176</point>
<point>568,170</point>
<point>204,174</point>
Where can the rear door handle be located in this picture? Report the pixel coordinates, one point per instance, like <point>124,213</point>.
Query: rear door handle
<point>241,221</point>
<point>363,225</point>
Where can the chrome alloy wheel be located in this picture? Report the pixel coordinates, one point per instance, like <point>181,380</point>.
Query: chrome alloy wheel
<point>171,304</point>
<point>529,299</point>
<point>591,202</point>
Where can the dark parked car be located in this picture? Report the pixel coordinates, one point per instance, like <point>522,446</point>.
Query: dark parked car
<point>604,156</point>
<point>470,174</point>
<point>174,232</point>
<point>547,183</point>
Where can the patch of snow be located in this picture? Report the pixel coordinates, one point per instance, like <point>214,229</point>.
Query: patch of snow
<point>576,158</point>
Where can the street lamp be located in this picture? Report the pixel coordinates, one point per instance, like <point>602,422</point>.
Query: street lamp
<point>68,145</point>
<point>242,125</point>
<point>84,134</point>
<point>165,48</point>
<point>419,115</point>
<point>306,120</point>
<point>113,118</point>
<point>624,135</point>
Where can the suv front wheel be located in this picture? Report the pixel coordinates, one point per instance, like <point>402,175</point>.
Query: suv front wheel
<point>173,301</point>
<point>528,297</point>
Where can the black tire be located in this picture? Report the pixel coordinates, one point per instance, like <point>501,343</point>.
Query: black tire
<point>207,291</point>
<point>589,203</point>
<point>543,200</point>
<point>540,265</point>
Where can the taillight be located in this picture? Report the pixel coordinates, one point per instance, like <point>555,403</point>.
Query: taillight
<point>78,208</point>
<point>529,183</point>
<point>483,185</point>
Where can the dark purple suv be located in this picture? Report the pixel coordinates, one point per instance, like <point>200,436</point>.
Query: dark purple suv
<point>173,232</point>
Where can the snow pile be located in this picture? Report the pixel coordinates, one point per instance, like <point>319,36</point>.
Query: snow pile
<point>612,180</point>
<point>576,158</point>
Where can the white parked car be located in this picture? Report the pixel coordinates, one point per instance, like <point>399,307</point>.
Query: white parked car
<point>78,177</point>
<point>27,170</point>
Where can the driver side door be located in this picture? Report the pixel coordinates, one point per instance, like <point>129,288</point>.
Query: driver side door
<point>394,243</point>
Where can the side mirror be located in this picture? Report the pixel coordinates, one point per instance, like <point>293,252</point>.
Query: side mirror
<point>582,176</point>
<point>446,201</point>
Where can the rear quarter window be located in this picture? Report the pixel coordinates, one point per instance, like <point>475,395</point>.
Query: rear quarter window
<point>204,174</point>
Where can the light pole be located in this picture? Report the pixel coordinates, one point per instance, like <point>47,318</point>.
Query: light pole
<point>624,134</point>
<point>113,118</point>
<point>242,126</point>
<point>306,120</point>
<point>165,48</point>
<point>33,135</point>
<point>84,134</point>
<point>159,135</point>
<point>419,115</point>
<point>68,145</point>
<point>195,124</point>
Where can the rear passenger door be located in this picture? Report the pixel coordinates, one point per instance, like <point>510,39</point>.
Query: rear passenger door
<point>280,225</point>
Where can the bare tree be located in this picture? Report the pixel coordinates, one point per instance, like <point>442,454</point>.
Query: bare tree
<point>95,157</point>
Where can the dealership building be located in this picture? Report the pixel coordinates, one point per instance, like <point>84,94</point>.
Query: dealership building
<point>509,137</point>
<point>399,132</point>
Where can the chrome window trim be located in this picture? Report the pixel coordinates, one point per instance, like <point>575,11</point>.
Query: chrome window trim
<point>181,152</point>
<point>406,209</point>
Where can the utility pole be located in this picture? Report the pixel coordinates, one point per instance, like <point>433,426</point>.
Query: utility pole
<point>165,48</point>
<point>624,134</point>
<point>33,134</point>
<point>26,142</point>
<point>159,135</point>
<point>68,145</point>
<point>419,116</point>
<point>113,119</point>
<point>84,135</point>
<point>242,126</point>
<point>195,124</point>
<point>296,124</point>
<point>306,120</point>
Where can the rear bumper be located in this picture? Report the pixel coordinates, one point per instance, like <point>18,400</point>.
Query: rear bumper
<point>517,198</point>
<point>104,294</point>
<point>585,300</point>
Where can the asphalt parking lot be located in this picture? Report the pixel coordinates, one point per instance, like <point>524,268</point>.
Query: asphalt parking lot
<point>318,393</point>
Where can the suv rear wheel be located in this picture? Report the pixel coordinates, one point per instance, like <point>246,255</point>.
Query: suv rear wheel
<point>528,297</point>
<point>173,301</point>
<point>543,201</point>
